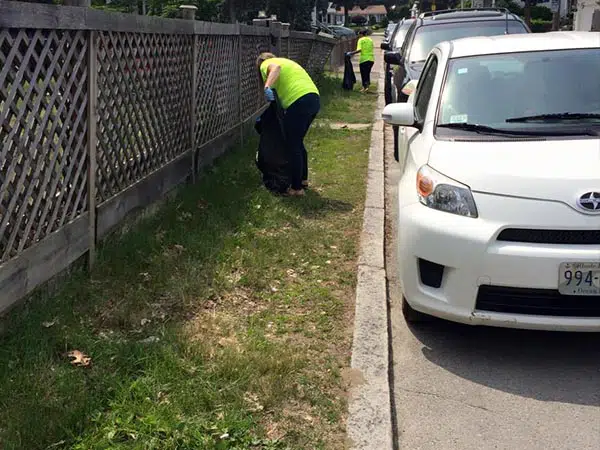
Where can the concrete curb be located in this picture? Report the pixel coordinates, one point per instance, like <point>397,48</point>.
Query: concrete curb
<point>370,413</point>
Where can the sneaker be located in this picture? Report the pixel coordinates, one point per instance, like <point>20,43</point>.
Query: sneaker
<point>295,193</point>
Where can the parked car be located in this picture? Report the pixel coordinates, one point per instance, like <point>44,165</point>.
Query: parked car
<point>342,31</point>
<point>499,198</point>
<point>437,26</point>
<point>389,30</point>
<point>396,40</point>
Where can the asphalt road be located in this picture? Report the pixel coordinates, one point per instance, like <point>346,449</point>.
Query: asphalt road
<point>460,387</point>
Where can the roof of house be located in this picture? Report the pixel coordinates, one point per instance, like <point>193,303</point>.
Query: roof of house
<point>512,43</point>
<point>369,10</point>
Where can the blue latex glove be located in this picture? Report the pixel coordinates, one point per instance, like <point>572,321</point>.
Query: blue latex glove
<point>269,95</point>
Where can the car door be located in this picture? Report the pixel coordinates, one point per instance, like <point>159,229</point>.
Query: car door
<point>415,142</point>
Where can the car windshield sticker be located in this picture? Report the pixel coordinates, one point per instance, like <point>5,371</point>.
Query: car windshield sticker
<point>459,118</point>
<point>462,70</point>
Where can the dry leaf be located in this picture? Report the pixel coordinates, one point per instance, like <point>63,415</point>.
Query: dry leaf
<point>79,358</point>
<point>50,324</point>
<point>179,248</point>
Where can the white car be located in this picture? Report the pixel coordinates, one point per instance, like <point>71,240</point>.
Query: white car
<point>499,198</point>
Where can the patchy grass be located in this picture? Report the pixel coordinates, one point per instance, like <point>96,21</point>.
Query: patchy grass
<point>223,322</point>
<point>346,106</point>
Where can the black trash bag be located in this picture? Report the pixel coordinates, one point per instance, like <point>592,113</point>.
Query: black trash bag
<point>272,156</point>
<point>349,76</point>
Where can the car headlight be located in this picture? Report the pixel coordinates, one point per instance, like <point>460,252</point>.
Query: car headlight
<point>439,192</point>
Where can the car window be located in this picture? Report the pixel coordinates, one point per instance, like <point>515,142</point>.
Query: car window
<point>517,85</point>
<point>408,38</point>
<point>425,89</point>
<point>428,36</point>
<point>400,35</point>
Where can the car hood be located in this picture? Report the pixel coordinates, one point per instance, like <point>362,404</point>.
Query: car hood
<point>557,170</point>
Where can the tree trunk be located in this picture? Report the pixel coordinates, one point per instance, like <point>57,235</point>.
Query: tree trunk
<point>527,12</point>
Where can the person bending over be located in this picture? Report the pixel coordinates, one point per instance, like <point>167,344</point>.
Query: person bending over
<point>300,99</point>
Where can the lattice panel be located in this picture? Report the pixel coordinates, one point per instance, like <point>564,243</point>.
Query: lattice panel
<point>252,98</point>
<point>218,91</point>
<point>300,50</point>
<point>144,105</point>
<point>43,104</point>
<point>318,57</point>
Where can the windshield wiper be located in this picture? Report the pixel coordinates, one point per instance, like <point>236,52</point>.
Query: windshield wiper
<point>554,117</point>
<point>484,129</point>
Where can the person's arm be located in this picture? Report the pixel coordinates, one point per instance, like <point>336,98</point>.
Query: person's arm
<point>357,51</point>
<point>273,72</point>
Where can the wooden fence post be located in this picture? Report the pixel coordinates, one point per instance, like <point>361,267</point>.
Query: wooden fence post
<point>188,12</point>
<point>92,121</point>
<point>285,33</point>
<point>193,121</point>
<point>240,83</point>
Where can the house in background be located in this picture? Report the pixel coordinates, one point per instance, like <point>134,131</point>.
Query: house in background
<point>374,13</point>
<point>333,16</point>
<point>587,16</point>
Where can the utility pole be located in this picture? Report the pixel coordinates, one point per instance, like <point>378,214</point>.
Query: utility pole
<point>555,15</point>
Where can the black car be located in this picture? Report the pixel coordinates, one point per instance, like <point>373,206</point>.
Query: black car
<point>395,41</point>
<point>433,27</point>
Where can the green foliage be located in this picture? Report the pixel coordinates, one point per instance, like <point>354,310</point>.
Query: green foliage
<point>511,5</point>
<point>541,26</point>
<point>400,13</point>
<point>541,13</point>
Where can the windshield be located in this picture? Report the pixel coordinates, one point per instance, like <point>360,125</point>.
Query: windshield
<point>428,36</point>
<point>500,90</point>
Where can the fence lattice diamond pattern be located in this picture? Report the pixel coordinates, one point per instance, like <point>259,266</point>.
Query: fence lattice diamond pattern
<point>144,105</point>
<point>43,102</point>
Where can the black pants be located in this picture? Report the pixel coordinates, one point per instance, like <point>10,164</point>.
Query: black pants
<point>298,119</point>
<point>365,73</point>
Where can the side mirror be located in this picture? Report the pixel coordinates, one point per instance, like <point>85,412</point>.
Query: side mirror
<point>393,58</point>
<point>385,46</point>
<point>399,114</point>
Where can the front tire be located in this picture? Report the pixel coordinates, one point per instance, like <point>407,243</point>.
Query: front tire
<point>412,315</point>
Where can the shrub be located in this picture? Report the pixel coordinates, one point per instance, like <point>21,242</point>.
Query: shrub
<point>541,13</point>
<point>541,26</point>
<point>359,20</point>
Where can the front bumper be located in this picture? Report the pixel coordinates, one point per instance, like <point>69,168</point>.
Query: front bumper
<point>472,256</point>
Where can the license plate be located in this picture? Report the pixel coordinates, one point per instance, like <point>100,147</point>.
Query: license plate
<point>579,278</point>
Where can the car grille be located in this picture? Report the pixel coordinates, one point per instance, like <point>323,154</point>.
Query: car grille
<point>567,237</point>
<point>542,302</point>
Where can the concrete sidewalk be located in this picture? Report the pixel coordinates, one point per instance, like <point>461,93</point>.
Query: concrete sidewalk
<point>370,414</point>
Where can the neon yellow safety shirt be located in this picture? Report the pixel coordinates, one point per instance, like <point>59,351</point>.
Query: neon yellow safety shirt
<point>365,45</point>
<point>293,82</point>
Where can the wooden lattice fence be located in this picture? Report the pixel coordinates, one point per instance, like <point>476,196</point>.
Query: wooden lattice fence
<point>104,113</point>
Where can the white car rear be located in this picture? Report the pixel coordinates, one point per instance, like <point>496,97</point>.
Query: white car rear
<point>499,201</point>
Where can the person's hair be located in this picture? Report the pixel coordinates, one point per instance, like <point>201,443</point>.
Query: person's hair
<point>262,58</point>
